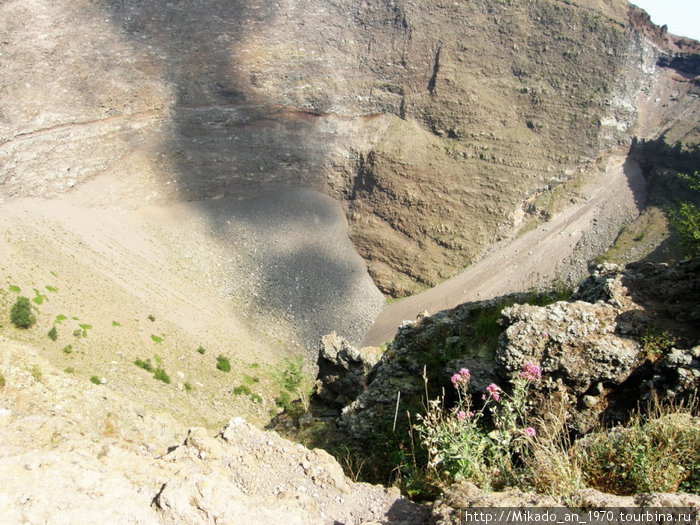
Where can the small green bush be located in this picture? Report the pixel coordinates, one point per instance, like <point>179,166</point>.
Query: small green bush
<point>283,400</point>
<point>3,381</point>
<point>156,339</point>
<point>161,375</point>
<point>250,380</point>
<point>69,370</point>
<point>684,219</point>
<point>53,334</point>
<point>152,318</point>
<point>187,387</point>
<point>21,313</point>
<point>256,398</point>
<point>35,370</point>
<point>39,297</point>
<point>223,364</point>
<point>68,349</point>
<point>292,375</point>
<point>658,455</point>
<point>202,350</point>
<point>146,365</point>
<point>95,380</point>
<point>242,390</point>
<point>656,343</point>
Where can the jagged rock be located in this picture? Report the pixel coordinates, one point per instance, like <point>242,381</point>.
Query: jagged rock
<point>577,348</point>
<point>343,369</point>
<point>590,349</point>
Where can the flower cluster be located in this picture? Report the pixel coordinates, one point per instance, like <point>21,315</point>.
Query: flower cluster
<point>531,372</point>
<point>494,392</point>
<point>463,415</point>
<point>530,432</point>
<point>463,376</point>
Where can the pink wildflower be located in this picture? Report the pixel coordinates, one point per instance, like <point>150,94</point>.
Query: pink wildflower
<point>530,432</point>
<point>462,376</point>
<point>531,372</point>
<point>461,415</point>
<point>494,391</point>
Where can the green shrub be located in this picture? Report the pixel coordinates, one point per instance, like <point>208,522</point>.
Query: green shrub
<point>242,390</point>
<point>256,398</point>
<point>655,344</point>
<point>39,298</point>
<point>292,375</point>
<point>35,370</point>
<point>77,332</point>
<point>283,400</point>
<point>69,370</point>
<point>68,349</point>
<point>202,350</point>
<point>21,313</point>
<point>95,380</point>
<point>187,387</point>
<point>116,323</point>
<point>146,365</point>
<point>250,380</point>
<point>152,318</point>
<point>60,318</point>
<point>3,381</point>
<point>156,339</point>
<point>161,375</point>
<point>658,455</point>
<point>53,334</point>
<point>684,219</point>
<point>223,364</point>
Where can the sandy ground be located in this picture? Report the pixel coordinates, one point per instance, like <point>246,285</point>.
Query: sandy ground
<point>255,279</point>
<point>535,258</point>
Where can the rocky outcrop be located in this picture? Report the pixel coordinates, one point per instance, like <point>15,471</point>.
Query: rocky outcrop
<point>343,369</point>
<point>627,333</point>
<point>71,450</point>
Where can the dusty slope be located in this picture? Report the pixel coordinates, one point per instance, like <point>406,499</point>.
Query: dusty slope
<point>218,284</point>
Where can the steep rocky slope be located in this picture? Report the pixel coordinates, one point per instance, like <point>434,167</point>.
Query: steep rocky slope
<point>438,123</point>
<point>71,451</point>
<point>593,349</point>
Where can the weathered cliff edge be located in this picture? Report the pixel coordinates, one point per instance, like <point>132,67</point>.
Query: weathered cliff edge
<point>71,451</point>
<point>439,124</point>
<point>591,348</point>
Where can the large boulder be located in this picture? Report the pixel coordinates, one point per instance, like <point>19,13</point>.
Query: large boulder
<point>343,369</point>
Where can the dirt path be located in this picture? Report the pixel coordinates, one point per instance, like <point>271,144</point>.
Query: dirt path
<point>537,257</point>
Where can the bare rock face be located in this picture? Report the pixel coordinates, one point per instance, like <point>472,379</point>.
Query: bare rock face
<point>343,369</point>
<point>436,122</point>
<point>597,354</point>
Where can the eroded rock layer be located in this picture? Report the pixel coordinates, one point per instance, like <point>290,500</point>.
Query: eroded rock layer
<point>435,121</point>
